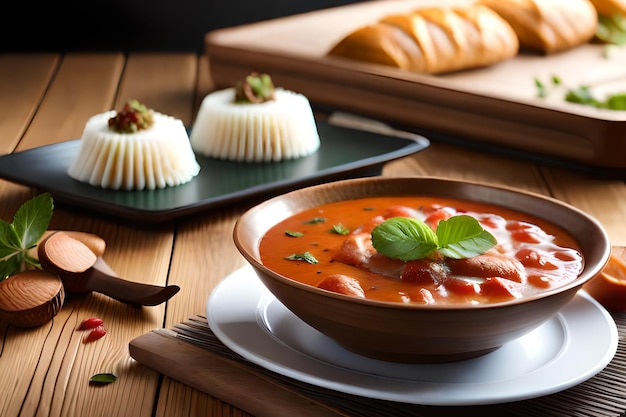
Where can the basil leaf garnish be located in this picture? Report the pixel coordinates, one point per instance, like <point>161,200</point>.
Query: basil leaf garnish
<point>409,239</point>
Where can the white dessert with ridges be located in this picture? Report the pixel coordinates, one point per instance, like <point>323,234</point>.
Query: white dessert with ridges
<point>280,128</point>
<point>153,158</point>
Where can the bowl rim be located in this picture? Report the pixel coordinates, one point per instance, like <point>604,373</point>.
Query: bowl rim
<point>588,272</point>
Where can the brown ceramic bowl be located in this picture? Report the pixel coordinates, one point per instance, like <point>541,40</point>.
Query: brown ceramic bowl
<point>415,332</point>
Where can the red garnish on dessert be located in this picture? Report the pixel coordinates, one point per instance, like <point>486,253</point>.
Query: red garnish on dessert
<point>133,117</point>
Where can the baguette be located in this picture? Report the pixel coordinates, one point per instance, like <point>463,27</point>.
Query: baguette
<point>548,26</point>
<point>610,7</point>
<point>433,40</point>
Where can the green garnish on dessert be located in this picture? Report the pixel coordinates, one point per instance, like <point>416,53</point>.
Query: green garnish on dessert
<point>133,117</point>
<point>255,88</point>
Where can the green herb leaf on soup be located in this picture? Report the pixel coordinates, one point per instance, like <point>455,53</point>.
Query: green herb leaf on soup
<point>339,229</point>
<point>404,238</point>
<point>315,220</point>
<point>409,239</point>
<point>306,257</point>
<point>292,233</point>
<point>463,237</point>
<point>29,224</point>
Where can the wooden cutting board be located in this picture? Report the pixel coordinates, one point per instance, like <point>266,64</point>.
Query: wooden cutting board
<point>226,379</point>
<point>497,106</point>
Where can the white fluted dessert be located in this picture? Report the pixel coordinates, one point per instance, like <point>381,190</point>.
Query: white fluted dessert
<point>154,156</point>
<point>277,127</point>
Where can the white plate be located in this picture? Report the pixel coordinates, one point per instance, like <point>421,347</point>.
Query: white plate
<point>568,349</point>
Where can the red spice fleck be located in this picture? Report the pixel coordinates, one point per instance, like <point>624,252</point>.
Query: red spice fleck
<point>90,323</point>
<point>95,334</point>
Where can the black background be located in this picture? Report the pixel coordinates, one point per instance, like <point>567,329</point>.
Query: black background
<point>134,25</point>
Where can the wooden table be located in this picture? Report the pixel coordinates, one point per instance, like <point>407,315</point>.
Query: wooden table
<point>46,98</point>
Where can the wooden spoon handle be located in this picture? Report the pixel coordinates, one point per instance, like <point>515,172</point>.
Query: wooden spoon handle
<point>102,279</point>
<point>82,271</point>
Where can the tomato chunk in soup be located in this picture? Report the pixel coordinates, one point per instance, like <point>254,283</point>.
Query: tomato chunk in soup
<point>330,247</point>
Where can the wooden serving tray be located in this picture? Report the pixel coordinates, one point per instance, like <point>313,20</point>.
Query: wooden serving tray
<point>496,106</point>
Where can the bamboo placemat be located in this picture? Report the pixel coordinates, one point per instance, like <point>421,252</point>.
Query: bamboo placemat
<point>602,395</point>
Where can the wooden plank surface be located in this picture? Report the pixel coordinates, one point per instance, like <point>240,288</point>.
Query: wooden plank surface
<point>24,79</point>
<point>84,84</point>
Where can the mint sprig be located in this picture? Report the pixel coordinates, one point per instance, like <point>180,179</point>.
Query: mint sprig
<point>409,239</point>
<point>29,224</point>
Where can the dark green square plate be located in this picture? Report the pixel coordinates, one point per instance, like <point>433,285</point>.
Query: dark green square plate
<point>343,153</point>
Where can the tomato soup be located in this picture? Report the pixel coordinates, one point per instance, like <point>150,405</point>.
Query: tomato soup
<point>330,247</point>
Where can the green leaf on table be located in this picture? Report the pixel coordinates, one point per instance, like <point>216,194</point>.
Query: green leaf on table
<point>102,379</point>
<point>409,239</point>
<point>10,260</point>
<point>29,224</point>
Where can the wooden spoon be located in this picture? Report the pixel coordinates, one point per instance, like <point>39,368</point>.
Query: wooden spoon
<point>91,240</point>
<point>31,298</point>
<point>82,271</point>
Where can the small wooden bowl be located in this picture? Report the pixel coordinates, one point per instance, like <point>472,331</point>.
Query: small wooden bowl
<point>31,298</point>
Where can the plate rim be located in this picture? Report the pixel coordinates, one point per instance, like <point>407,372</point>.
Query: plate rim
<point>432,396</point>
